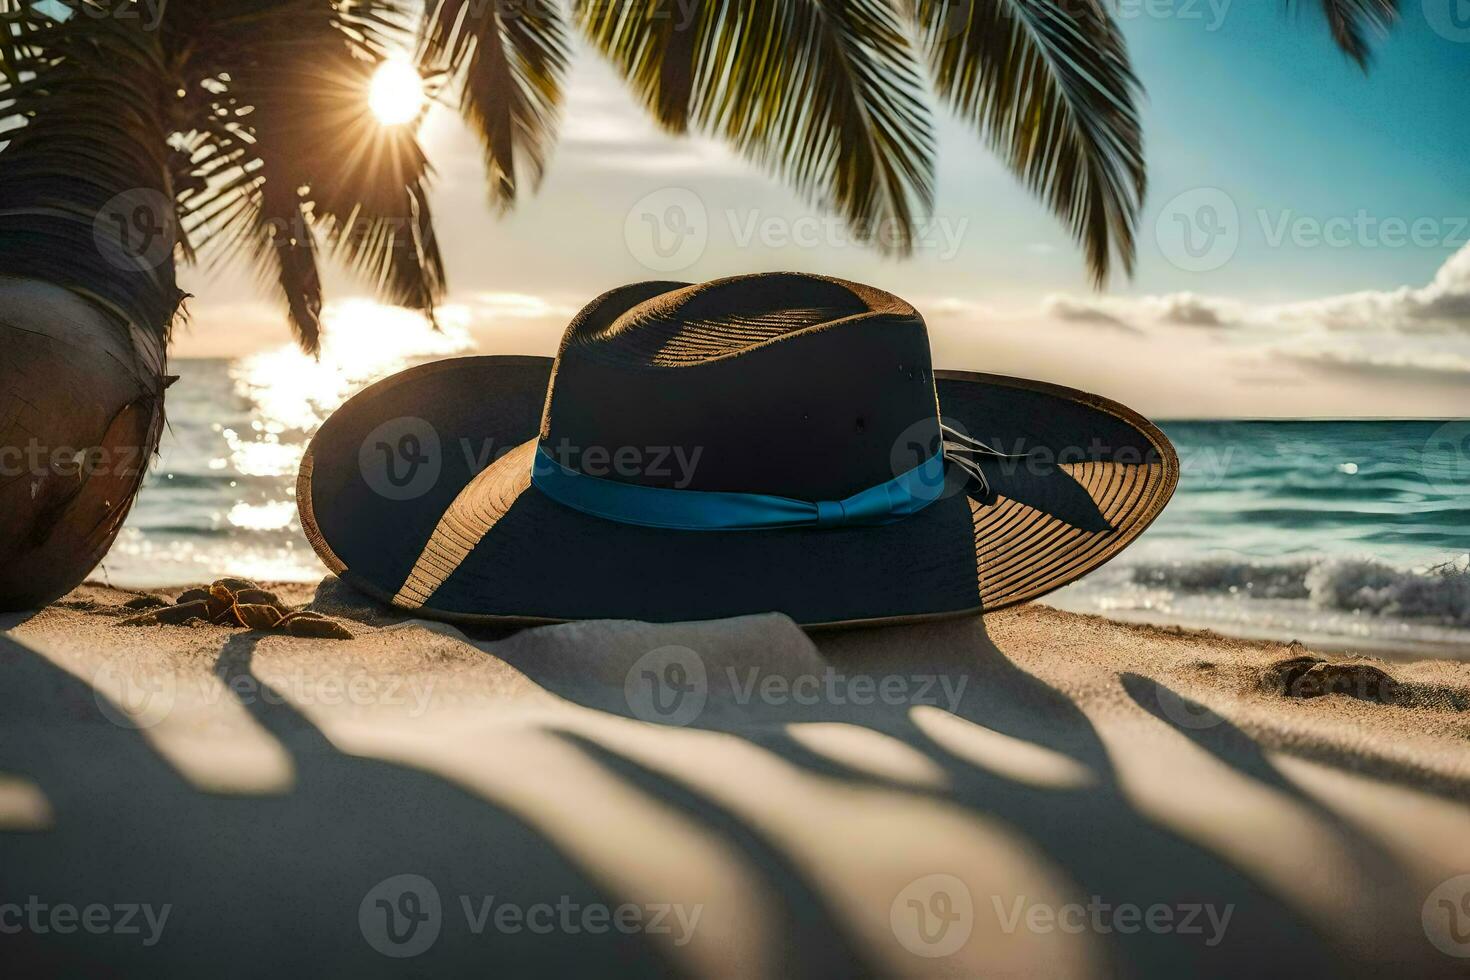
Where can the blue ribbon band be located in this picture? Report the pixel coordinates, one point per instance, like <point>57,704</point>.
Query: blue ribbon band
<point>702,510</point>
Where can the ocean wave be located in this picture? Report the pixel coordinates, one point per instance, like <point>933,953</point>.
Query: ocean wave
<point>1439,594</point>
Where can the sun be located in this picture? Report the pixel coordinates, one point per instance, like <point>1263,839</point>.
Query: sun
<point>397,92</point>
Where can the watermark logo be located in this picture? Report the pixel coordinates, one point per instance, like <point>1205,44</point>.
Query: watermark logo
<point>401,916</point>
<point>667,686</point>
<point>1446,917</point>
<point>668,230</point>
<point>919,443</point>
<point>401,459</point>
<point>131,696</point>
<point>1199,230</point>
<point>1450,19</point>
<point>933,916</point>
<point>1445,459</point>
<point>136,230</point>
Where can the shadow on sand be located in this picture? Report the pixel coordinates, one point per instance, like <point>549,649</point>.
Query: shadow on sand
<point>266,885</point>
<point>263,884</point>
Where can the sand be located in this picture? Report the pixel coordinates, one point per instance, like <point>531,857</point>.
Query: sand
<point>1037,794</point>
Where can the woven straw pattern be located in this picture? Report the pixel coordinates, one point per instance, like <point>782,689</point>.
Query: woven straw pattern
<point>471,516</point>
<point>1022,553</point>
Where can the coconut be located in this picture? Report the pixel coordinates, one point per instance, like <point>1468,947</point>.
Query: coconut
<point>81,410</point>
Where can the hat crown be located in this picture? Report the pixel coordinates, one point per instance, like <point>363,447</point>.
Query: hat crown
<point>795,385</point>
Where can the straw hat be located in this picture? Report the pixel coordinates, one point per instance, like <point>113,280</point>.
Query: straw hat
<point>775,442</point>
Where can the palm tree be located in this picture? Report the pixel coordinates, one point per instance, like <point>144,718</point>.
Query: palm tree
<point>140,132</point>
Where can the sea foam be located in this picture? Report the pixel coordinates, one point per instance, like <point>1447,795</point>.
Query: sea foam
<point>1439,594</point>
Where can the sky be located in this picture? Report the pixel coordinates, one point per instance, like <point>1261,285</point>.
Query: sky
<point>1302,252</point>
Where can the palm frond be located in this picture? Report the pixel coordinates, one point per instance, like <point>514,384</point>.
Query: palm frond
<point>1352,22</point>
<point>290,152</point>
<point>658,47</point>
<point>85,189</point>
<point>284,246</point>
<point>1049,85</point>
<point>825,94</point>
<point>378,219</point>
<point>509,64</point>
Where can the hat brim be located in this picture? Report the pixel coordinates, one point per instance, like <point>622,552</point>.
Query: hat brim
<point>459,534</point>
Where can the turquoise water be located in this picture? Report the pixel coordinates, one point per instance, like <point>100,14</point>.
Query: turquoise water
<point>1394,490</point>
<point>1340,533</point>
<point>1348,534</point>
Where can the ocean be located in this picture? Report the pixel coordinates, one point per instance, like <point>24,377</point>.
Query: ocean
<point>1346,535</point>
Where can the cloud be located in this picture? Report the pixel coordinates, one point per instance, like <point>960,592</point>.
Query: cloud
<point>1445,365</point>
<point>1195,311</point>
<point>1405,335</point>
<point>955,308</point>
<point>1440,307</point>
<point>1185,309</point>
<point>489,307</point>
<point>1081,311</point>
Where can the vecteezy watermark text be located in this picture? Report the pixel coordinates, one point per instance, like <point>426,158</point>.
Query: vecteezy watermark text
<point>1201,230</point>
<point>834,687</point>
<point>1361,230</point>
<point>669,230</point>
<point>403,916</point>
<point>1211,13</point>
<point>1206,920</point>
<point>43,918</point>
<point>671,463</point>
<point>34,459</point>
<point>672,685</point>
<point>403,458</point>
<point>940,235</point>
<point>935,916</point>
<point>570,918</point>
<point>131,695</point>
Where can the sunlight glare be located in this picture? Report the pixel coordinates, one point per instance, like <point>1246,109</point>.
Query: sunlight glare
<point>397,92</point>
<point>362,342</point>
<point>270,516</point>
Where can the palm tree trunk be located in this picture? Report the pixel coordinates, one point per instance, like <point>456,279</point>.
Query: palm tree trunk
<point>81,410</point>
<point>86,297</point>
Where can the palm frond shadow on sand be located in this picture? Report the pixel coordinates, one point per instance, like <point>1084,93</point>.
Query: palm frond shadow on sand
<point>1082,830</point>
<point>263,883</point>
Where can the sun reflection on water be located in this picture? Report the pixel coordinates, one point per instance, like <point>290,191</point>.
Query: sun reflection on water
<point>222,499</point>
<point>363,342</point>
<point>270,516</point>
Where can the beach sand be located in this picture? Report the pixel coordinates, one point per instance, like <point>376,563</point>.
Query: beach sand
<point>1033,794</point>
